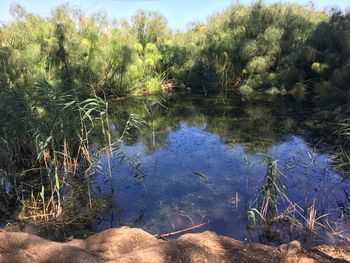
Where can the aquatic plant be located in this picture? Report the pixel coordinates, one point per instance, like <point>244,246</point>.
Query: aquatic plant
<point>267,202</point>
<point>341,155</point>
<point>49,145</point>
<point>266,212</point>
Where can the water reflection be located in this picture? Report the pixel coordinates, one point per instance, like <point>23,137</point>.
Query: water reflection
<point>206,162</point>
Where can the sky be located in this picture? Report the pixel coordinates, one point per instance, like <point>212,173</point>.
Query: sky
<point>178,12</point>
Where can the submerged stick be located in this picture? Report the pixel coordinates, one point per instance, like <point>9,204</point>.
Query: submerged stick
<point>180,231</point>
<point>201,175</point>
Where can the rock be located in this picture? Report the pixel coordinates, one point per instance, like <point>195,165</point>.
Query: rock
<point>135,245</point>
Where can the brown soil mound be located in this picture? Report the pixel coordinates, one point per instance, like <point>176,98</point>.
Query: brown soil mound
<point>135,245</point>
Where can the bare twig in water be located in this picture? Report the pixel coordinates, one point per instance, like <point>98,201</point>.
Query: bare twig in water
<point>180,231</point>
<point>201,175</point>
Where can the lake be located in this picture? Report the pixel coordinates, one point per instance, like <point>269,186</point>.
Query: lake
<point>204,159</point>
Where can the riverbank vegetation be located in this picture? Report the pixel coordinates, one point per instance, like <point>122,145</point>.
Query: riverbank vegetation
<point>279,49</point>
<point>59,74</point>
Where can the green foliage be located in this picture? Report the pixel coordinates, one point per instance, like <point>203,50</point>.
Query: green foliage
<point>153,85</point>
<point>78,52</point>
<point>246,90</point>
<point>262,39</point>
<point>258,65</point>
<point>249,49</point>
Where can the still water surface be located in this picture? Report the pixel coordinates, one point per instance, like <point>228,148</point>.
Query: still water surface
<point>198,159</point>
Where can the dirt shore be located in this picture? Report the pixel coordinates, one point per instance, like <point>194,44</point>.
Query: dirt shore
<point>135,245</point>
